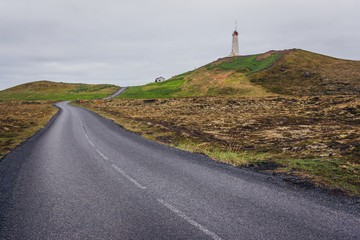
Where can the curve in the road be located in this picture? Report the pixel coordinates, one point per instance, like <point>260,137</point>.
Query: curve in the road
<point>85,177</point>
<point>117,93</point>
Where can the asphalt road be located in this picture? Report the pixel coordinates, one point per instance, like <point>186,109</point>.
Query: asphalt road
<point>84,177</point>
<point>117,93</point>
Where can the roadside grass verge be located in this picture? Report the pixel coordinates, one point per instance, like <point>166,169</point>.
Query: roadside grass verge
<point>20,120</point>
<point>334,173</point>
<point>221,154</point>
<point>317,144</point>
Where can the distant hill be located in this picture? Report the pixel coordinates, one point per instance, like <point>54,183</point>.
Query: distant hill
<point>47,90</point>
<point>289,72</point>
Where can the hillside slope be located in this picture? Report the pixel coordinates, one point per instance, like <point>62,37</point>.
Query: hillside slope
<point>47,90</point>
<point>289,72</point>
<point>305,73</point>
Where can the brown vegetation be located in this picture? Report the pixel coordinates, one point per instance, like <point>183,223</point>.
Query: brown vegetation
<point>47,90</point>
<point>301,127</point>
<point>288,72</point>
<point>304,73</point>
<point>20,120</point>
<point>281,130</point>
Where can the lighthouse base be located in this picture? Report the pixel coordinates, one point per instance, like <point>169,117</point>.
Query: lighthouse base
<point>233,54</point>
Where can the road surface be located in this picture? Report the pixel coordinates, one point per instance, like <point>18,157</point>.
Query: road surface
<point>117,93</point>
<point>84,177</point>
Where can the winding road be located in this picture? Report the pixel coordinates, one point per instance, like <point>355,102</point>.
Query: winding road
<point>84,177</point>
<point>117,93</point>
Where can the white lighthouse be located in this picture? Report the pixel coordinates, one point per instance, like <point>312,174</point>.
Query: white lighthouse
<point>235,44</point>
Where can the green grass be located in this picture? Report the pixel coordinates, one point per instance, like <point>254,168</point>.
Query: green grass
<point>52,97</point>
<point>200,83</point>
<point>46,90</point>
<point>163,89</point>
<point>81,88</point>
<point>337,173</point>
<point>103,87</point>
<point>244,64</point>
<point>325,172</point>
<point>154,90</point>
<point>236,158</point>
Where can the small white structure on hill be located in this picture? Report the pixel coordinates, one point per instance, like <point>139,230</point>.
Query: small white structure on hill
<point>235,43</point>
<point>159,79</point>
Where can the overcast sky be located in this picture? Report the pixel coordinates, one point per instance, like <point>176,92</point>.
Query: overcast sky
<point>131,42</point>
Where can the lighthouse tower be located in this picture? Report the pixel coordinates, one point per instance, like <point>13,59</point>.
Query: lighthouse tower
<point>235,44</point>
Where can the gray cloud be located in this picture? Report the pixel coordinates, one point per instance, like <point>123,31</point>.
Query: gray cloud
<point>132,42</point>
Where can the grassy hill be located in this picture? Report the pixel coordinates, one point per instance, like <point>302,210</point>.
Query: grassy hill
<point>305,73</point>
<point>47,90</point>
<point>289,72</point>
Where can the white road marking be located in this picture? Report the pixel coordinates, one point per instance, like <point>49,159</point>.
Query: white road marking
<point>101,154</point>
<point>114,166</point>
<point>91,143</point>
<point>87,137</point>
<point>82,127</point>
<point>128,177</point>
<point>189,220</point>
<point>81,123</point>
